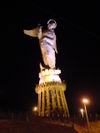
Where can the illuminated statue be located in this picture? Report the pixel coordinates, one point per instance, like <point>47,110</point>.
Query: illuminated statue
<point>47,40</point>
<point>48,44</point>
<point>50,90</point>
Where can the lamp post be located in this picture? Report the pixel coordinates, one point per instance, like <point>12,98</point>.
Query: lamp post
<point>85,102</point>
<point>35,110</point>
<point>82,112</point>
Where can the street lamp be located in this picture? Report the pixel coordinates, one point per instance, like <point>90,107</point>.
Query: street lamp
<point>82,112</point>
<point>85,102</point>
<point>34,109</point>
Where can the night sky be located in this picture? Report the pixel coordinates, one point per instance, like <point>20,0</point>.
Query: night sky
<point>78,40</point>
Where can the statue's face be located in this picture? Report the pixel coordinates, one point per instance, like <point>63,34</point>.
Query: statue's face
<point>51,26</point>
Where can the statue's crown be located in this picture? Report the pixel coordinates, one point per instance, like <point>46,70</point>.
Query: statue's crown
<point>52,21</point>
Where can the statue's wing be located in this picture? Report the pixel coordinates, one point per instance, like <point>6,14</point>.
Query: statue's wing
<point>32,33</point>
<point>36,32</point>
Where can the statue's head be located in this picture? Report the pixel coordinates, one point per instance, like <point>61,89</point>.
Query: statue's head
<point>51,24</point>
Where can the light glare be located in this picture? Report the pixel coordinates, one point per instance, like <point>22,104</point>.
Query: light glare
<point>85,101</point>
<point>35,109</point>
<point>81,110</point>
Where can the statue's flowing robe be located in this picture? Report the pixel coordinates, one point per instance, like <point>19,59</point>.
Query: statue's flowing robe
<point>47,45</point>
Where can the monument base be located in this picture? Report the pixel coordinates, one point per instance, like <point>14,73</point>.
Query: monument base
<point>51,98</point>
<point>49,75</point>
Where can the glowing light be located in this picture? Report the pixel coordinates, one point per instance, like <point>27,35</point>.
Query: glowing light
<point>82,112</point>
<point>85,100</point>
<point>35,109</point>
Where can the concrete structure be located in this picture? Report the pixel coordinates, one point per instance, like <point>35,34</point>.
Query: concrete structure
<point>51,97</point>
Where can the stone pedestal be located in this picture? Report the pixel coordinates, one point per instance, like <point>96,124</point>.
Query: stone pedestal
<point>51,97</point>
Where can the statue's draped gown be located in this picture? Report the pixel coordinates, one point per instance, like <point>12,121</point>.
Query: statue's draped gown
<point>47,44</point>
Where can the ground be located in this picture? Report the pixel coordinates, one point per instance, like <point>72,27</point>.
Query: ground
<point>12,126</point>
<point>38,125</point>
<point>94,128</point>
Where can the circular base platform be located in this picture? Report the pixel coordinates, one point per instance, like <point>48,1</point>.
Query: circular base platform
<point>49,75</point>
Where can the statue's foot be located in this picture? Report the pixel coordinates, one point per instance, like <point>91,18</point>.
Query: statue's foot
<point>47,67</point>
<point>41,67</point>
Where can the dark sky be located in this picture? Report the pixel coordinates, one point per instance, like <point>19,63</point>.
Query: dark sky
<point>78,40</point>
